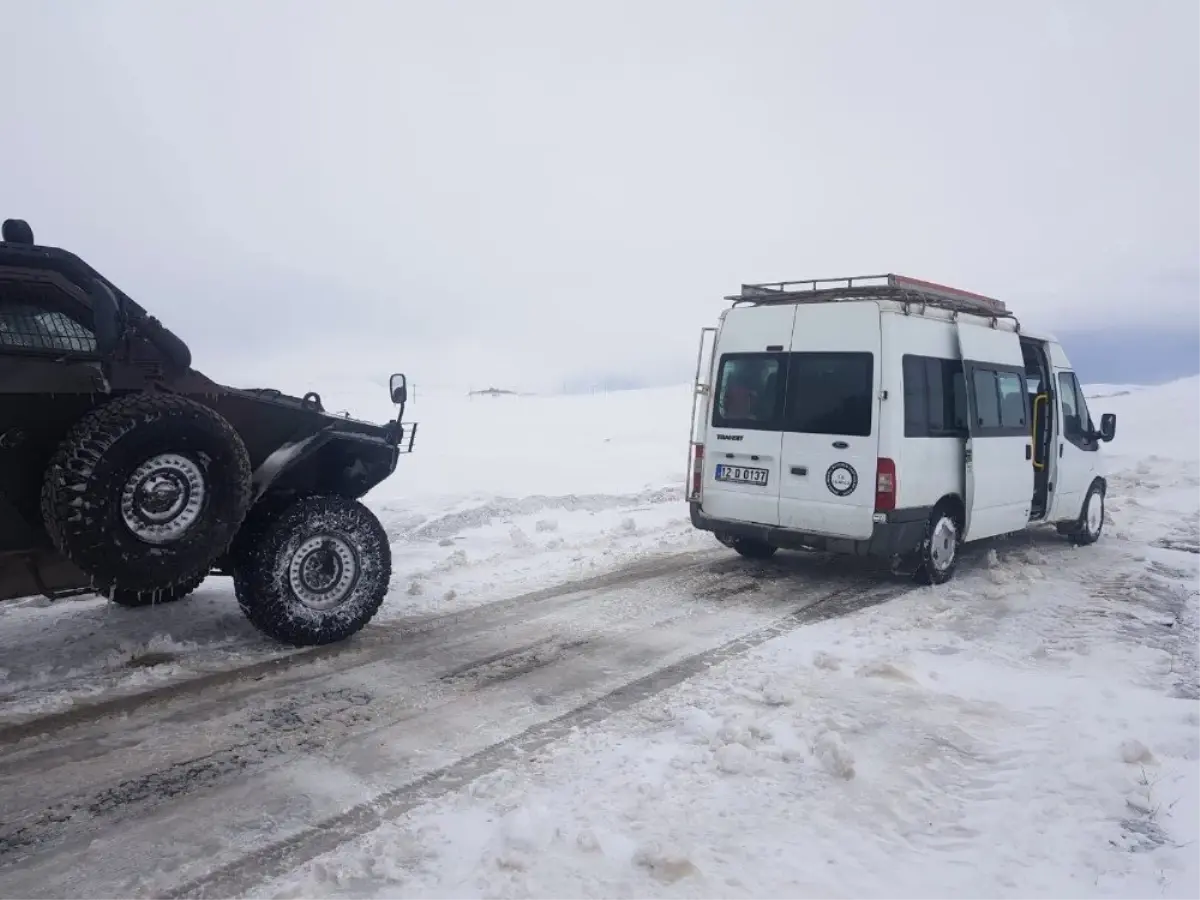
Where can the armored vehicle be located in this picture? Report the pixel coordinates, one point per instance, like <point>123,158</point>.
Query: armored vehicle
<point>126,472</point>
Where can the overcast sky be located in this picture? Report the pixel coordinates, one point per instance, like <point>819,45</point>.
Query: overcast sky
<point>531,193</point>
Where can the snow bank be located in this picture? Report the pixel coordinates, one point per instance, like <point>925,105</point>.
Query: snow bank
<point>506,493</point>
<point>618,443</point>
<point>1159,422</point>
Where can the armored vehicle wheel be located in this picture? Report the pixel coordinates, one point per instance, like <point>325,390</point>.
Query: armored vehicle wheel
<point>146,492</point>
<point>314,572</point>
<point>124,597</point>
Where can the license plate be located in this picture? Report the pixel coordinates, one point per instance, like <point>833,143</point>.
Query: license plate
<point>741,474</point>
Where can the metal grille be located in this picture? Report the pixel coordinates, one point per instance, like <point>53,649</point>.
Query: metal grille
<point>30,327</point>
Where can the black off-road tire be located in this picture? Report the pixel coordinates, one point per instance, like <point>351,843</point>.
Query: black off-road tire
<point>937,556</point>
<point>123,597</point>
<point>752,549</point>
<point>105,452</point>
<point>269,568</point>
<point>1088,528</point>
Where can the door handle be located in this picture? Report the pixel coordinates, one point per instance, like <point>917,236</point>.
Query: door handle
<point>800,470</point>
<point>1029,451</point>
<point>1060,446</point>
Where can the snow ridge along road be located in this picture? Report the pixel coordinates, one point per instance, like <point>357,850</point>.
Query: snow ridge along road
<point>229,767</point>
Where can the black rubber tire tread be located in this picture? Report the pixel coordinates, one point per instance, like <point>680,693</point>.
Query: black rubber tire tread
<point>133,599</point>
<point>926,572</point>
<point>1078,534</point>
<point>751,549</point>
<point>265,548</point>
<point>81,490</point>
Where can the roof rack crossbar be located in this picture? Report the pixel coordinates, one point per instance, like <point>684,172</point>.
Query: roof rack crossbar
<point>862,287</point>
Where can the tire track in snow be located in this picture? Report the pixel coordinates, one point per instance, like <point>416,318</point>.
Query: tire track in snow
<point>273,860</point>
<point>371,645</point>
<point>258,739</point>
<point>378,641</point>
<point>272,735</point>
<point>1185,546</point>
<point>276,731</point>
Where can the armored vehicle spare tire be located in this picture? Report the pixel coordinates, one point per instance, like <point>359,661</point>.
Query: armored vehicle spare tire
<point>146,492</point>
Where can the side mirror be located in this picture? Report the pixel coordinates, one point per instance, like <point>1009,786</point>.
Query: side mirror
<point>1108,426</point>
<point>398,385</point>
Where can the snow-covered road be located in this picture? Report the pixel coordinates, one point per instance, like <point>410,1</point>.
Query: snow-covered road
<point>656,718</point>
<point>260,772</point>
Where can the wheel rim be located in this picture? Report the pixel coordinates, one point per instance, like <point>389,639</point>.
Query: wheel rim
<point>943,543</point>
<point>163,498</point>
<point>323,571</point>
<point>1095,513</point>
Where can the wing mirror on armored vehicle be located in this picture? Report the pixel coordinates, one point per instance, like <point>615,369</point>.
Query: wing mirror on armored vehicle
<point>1108,426</point>
<point>398,385</point>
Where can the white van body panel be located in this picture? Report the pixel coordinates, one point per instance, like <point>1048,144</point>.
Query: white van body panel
<point>744,331</point>
<point>928,467</point>
<point>999,467</point>
<point>1079,460</point>
<point>827,485</point>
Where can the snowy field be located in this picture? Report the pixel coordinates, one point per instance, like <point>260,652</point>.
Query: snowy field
<point>1030,729</point>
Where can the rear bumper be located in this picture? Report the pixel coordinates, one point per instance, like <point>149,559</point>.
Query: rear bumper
<point>902,533</point>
